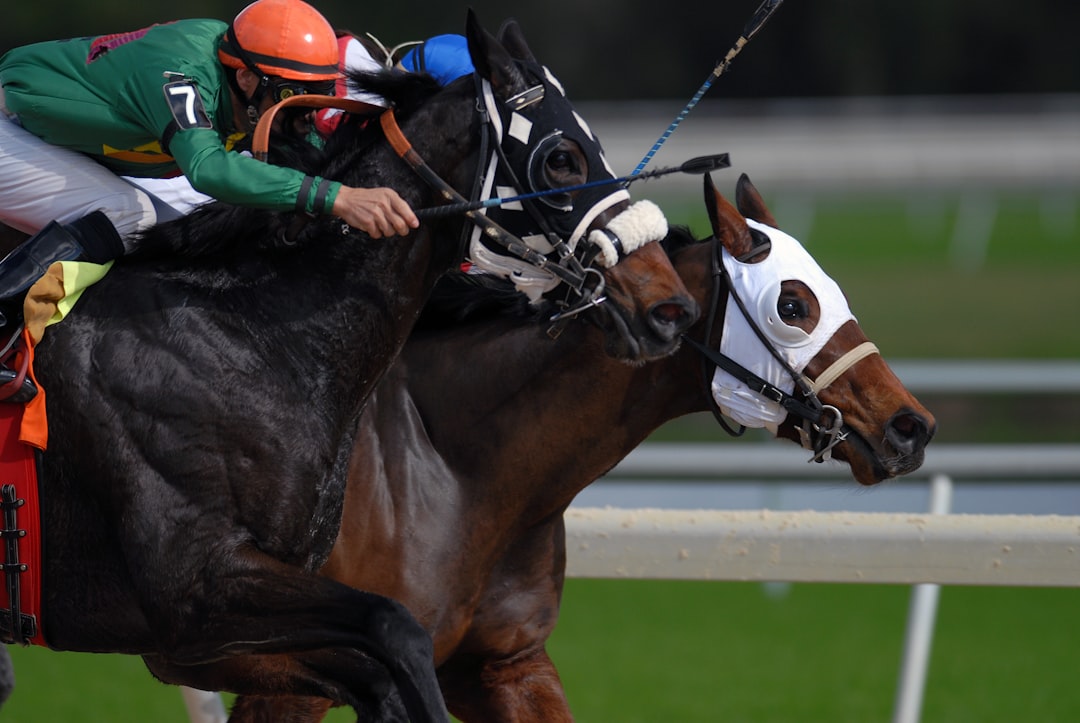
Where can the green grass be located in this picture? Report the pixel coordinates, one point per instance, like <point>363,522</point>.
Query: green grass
<point>684,652</point>
<point>83,688</point>
<point>920,296</point>
<point>633,651</point>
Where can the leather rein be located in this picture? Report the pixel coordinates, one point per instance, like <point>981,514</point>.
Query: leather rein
<point>823,424</point>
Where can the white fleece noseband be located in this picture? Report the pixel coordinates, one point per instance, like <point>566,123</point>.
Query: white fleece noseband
<point>641,223</point>
<point>638,225</point>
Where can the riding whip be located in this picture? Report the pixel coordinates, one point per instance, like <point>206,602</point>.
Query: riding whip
<point>761,15</point>
<point>698,166</point>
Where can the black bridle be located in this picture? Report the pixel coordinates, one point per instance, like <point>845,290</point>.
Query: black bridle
<point>573,277</point>
<point>818,433</point>
<point>585,284</point>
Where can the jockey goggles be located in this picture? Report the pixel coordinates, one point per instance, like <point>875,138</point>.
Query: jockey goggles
<point>282,88</point>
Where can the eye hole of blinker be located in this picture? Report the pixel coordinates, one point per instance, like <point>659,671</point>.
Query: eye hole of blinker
<point>539,177</point>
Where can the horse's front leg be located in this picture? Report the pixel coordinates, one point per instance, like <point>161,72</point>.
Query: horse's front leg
<point>525,689</point>
<point>329,640</point>
<point>500,672</point>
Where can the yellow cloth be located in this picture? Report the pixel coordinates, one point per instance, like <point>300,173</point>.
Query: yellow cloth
<point>48,301</point>
<point>53,296</point>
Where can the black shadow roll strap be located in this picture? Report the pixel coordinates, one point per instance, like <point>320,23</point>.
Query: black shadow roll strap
<point>757,384</point>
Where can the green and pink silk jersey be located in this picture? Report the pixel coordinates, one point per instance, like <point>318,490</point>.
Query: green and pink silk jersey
<point>150,103</point>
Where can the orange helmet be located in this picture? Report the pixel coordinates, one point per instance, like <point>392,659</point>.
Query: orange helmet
<point>282,38</point>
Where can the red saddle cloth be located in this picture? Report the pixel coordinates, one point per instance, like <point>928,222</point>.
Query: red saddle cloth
<point>20,520</point>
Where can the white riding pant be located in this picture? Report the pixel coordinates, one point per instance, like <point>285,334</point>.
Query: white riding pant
<point>40,182</point>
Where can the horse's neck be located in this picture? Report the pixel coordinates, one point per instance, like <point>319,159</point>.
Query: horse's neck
<point>499,396</point>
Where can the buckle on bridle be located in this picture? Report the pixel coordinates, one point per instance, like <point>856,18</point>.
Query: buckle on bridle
<point>588,300</point>
<point>820,438</point>
<point>525,98</point>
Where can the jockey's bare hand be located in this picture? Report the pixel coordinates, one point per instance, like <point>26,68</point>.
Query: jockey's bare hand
<point>378,212</point>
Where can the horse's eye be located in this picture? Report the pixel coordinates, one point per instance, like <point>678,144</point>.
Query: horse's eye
<point>553,164</point>
<point>792,309</point>
<point>561,161</point>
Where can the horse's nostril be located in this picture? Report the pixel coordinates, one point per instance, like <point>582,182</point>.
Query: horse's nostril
<point>908,432</point>
<point>672,317</point>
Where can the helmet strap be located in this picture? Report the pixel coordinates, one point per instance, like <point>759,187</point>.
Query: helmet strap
<point>251,102</point>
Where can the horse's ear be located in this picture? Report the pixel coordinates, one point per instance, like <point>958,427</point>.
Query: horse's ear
<point>490,58</point>
<point>751,204</point>
<point>513,40</point>
<point>728,225</point>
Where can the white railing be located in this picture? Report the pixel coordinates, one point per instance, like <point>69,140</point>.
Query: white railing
<point>783,460</point>
<point>990,376</point>
<point>807,546</point>
<point>926,550</point>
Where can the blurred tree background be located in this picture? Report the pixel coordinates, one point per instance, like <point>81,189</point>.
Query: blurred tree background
<point>642,49</point>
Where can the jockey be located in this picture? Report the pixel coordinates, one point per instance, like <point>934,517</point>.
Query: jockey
<point>166,100</point>
<point>444,57</point>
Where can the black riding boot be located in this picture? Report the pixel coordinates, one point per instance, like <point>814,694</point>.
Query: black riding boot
<point>90,238</point>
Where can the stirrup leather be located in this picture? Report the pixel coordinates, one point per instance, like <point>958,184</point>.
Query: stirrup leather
<point>16,386</point>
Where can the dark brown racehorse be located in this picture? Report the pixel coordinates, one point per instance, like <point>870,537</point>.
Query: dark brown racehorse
<point>482,434</point>
<point>203,406</point>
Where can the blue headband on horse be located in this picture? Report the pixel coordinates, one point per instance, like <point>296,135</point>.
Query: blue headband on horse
<point>444,57</point>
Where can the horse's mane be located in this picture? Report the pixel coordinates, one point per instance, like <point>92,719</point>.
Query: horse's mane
<point>462,298</point>
<point>678,238</point>
<point>218,227</point>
